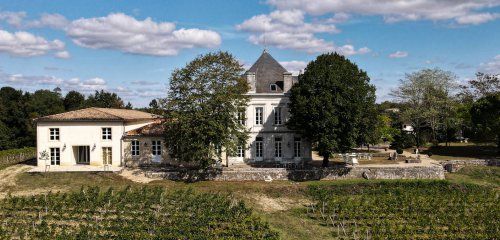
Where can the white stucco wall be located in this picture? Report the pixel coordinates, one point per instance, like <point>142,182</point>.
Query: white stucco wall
<point>80,133</point>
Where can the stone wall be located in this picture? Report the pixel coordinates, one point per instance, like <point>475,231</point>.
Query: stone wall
<point>263,174</point>
<point>455,165</point>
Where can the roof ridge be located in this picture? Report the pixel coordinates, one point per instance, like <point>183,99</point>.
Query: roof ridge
<point>99,109</point>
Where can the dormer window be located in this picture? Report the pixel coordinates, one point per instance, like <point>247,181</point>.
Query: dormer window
<point>273,87</point>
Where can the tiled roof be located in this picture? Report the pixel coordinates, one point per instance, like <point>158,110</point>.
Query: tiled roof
<point>267,71</point>
<point>97,114</point>
<point>153,129</point>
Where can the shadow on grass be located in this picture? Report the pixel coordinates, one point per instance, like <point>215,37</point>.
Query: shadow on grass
<point>472,151</point>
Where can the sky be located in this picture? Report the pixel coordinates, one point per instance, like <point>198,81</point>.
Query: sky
<point>131,47</point>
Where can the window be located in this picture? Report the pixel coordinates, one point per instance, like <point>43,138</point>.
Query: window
<point>218,149</point>
<point>277,116</point>
<point>241,117</point>
<point>156,147</point>
<point>259,112</point>
<point>277,147</point>
<point>258,147</point>
<point>273,87</point>
<point>135,148</point>
<point>55,156</point>
<point>240,151</point>
<point>54,134</point>
<point>106,133</point>
<point>296,147</point>
<point>107,156</point>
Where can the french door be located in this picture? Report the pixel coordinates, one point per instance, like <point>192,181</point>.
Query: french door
<point>107,156</point>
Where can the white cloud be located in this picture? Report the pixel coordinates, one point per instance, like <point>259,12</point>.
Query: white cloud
<point>294,66</point>
<point>398,54</point>
<point>56,21</point>
<point>144,83</point>
<point>13,18</point>
<point>125,33</point>
<point>461,11</point>
<point>338,18</point>
<point>491,67</point>
<point>288,30</point>
<point>95,82</point>
<point>62,54</point>
<point>28,80</point>
<point>477,18</point>
<point>25,44</point>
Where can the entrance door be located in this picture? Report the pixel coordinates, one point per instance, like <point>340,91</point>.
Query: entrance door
<point>83,155</point>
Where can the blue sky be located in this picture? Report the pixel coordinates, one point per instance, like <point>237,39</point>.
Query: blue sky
<point>131,47</point>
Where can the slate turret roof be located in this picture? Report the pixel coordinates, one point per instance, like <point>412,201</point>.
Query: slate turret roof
<point>267,71</point>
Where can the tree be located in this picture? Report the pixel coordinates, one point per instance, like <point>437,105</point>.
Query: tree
<point>202,104</point>
<point>155,106</point>
<point>45,102</point>
<point>427,96</point>
<point>327,104</point>
<point>73,101</point>
<point>486,116</point>
<point>129,106</point>
<point>370,125</point>
<point>483,85</point>
<point>104,100</point>
<point>15,117</point>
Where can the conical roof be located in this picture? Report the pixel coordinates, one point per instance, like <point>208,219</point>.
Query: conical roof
<point>267,71</point>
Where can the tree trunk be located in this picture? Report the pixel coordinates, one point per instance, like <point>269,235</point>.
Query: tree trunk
<point>368,146</point>
<point>326,160</point>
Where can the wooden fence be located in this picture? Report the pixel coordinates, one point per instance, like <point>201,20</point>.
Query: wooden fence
<point>14,156</point>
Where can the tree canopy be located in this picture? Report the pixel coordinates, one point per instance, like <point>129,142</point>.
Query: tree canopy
<point>330,103</point>
<point>426,95</point>
<point>486,116</point>
<point>202,104</point>
<point>104,99</point>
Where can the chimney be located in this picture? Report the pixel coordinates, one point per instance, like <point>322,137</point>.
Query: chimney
<point>287,82</point>
<point>250,76</point>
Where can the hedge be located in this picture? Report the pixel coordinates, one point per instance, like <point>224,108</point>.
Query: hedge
<point>14,156</point>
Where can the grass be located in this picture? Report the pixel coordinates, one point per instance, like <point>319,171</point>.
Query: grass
<point>480,175</point>
<point>462,151</point>
<point>280,203</point>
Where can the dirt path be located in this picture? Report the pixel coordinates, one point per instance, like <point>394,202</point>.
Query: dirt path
<point>8,177</point>
<point>135,175</point>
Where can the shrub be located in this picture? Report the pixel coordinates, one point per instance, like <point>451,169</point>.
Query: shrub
<point>399,151</point>
<point>14,156</point>
<point>429,154</point>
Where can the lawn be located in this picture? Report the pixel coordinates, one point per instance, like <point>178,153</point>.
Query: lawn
<point>287,206</point>
<point>462,151</point>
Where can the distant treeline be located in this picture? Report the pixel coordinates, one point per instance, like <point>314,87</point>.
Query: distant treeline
<point>19,108</point>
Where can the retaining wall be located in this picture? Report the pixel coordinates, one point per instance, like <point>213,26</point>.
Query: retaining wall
<point>455,165</point>
<point>263,174</point>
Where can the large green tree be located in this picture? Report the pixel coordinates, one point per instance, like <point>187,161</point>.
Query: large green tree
<point>328,104</point>
<point>45,102</point>
<point>74,100</point>
<point>104,99</point>
<point>426,95</point>
<point>15,117</point>
<point>485,114</point>
<point>202,105</point>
